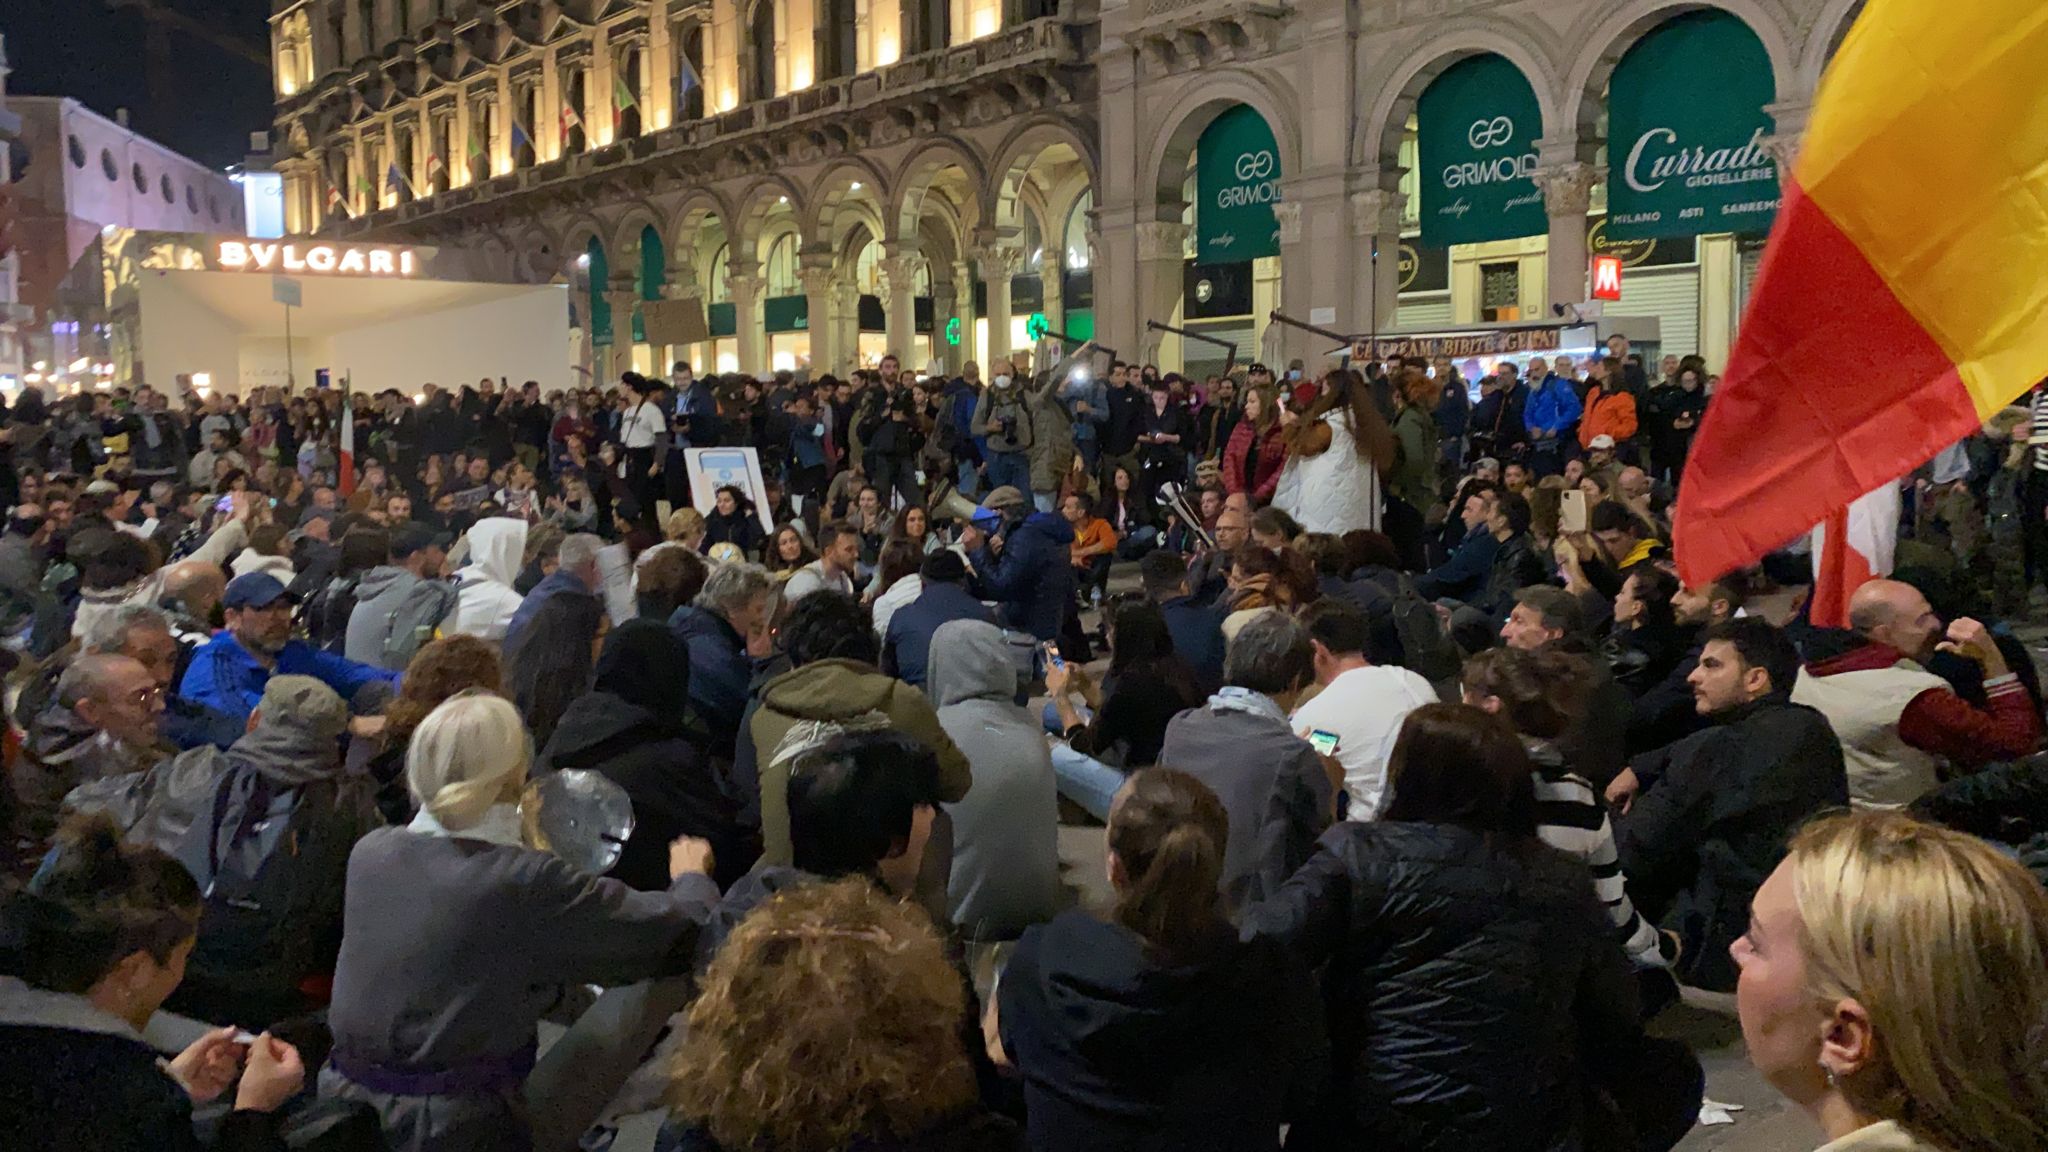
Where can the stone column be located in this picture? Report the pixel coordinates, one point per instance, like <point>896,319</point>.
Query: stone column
<point>944,306</point>
<point>1050,266</point>
<point>845,297</point>
<point>1376,222</point>
<point>681,284</point>
<point>1161,261</point>
<point>621,298</point>
<point>899,295</point>
<point>963,309</point>
<point>1567,193</point>
<point>750,326</point>
<point>998,262</point>
<point>816,272</point>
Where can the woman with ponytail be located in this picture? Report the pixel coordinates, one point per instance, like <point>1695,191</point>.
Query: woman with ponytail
<point>458,937</point>
<point>91,947</point>
<point>1157,1027</point>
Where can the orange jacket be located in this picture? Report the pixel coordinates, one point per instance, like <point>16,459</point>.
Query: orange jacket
<point>1611,414</point>
<point>1094,532</point>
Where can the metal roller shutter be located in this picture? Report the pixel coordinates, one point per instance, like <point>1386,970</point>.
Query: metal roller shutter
<point>1433,311</point>
<point>1199,359</point>
<point>1672,295</point>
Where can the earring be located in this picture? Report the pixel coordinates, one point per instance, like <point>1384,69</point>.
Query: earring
<point>1829,1072</point>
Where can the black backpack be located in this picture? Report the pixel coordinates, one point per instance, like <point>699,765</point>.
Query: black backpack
<point>326,612</point>
<point>1426,646</point>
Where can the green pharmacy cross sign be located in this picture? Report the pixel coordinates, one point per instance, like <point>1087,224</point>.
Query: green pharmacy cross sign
<point>953,332</point>
<point>1035,326</point>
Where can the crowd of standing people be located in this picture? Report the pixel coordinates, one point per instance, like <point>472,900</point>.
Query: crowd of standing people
<point>1426,782</point>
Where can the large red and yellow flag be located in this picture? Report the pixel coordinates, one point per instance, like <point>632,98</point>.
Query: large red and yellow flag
<point>1904,295</point>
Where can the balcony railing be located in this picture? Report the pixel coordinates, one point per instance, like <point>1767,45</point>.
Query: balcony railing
<point>1052,40</point>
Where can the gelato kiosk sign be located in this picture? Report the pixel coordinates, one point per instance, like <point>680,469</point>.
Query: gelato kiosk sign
<point>367,260</point>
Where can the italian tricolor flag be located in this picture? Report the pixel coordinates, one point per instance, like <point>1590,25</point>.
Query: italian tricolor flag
<point>347,478</point>
<point>1903,297</point>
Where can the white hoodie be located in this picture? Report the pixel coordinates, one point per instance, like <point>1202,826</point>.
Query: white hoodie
<point>485,599</point>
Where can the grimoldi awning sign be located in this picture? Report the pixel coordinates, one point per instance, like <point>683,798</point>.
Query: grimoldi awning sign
<point>1685,132</point>
<point>1477,126</point>
<point>1501,342</point>
<point>1237,182</point>
<point>379,261</point>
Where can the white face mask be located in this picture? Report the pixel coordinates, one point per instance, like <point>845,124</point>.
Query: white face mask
<point>1002,382</point>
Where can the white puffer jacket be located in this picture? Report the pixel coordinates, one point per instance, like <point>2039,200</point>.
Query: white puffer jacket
<point>1334,491</point>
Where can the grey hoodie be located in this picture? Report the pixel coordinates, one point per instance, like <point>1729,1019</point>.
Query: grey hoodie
<point>396,613</point>
<point>1006,868</point>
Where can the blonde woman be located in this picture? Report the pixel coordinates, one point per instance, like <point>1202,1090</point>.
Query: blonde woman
<point>1895,986</point>
<point>458,937</point>
<point>875,1059</point>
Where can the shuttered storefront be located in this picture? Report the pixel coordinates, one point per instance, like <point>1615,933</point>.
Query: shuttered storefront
<point>1423,311</point>
<point>1672,295</point>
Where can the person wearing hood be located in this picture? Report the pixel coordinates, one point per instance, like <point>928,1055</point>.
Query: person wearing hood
<point>96,941</point>
<point>400,606</point>
<point>1022,560</point>
<point>229,673</point>
<point>944,598</point>
<point>1006,860</point>
<point>832,685</point>
<point>485,596</point>
<point>628,730</point>
<point>1156,1027</point>
<point>266,828</point>
<point>102,726</point>
<point>1002,421</point>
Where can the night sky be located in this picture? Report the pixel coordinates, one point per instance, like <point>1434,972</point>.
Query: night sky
<point>205,101</point>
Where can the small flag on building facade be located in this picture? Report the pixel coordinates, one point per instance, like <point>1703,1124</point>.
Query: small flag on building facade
<point>434,166</point>
<point>686,81</point>
<point>622,99</point>
<point>569,117</point>
<point>519,137</point>
<point>476,145</point>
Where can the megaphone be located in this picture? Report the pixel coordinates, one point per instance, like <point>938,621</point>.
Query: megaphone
<point>580,816</point>
<point>949,504</point>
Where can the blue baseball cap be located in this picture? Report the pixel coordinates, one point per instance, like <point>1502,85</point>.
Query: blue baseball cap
<point>254,590</point>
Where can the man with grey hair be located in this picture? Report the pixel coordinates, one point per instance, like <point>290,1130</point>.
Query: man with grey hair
<point>576,574</point>
<point>102,724</point>
<point>143,634</point>
<point>726,631</point>
<point>1279,793</point>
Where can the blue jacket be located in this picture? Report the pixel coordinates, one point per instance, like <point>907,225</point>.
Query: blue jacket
<point>720,671</point>
<point>1553,405</point>
<point>224,677</point>
<point>807,445</point>
<point>1033,578</point>
<point>907,646</point>
<point>1096,393</point>
<point>1197,631</point>
<point>1463,576</point>
<point>556,583</point>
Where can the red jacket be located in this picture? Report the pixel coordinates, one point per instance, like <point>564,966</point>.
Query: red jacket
<point>1265,477</point>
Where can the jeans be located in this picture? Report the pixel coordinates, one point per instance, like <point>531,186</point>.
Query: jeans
<point>1142,539</point>
<point>1011,468</point>
<point>1090,449</point>
<point>1086,781</point>
<point>1043,501</point>
<point>969,479</point>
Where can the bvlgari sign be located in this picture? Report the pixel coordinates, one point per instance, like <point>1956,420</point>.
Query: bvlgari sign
<point>319,258</point>
<point>1685,132</point>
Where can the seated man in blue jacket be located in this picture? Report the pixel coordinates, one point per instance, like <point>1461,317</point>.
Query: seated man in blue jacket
<point>907,645</point>
<point>1463,576</point>
<point>1022,561</point>
<point>229,672</point>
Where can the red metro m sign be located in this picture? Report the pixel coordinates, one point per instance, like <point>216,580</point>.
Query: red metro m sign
<point>1607,278</point>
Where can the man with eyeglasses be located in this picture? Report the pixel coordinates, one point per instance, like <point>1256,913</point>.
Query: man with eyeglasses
<point>102,724</point>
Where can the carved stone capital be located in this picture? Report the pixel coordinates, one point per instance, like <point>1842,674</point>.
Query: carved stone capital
<point>899,273</point>
<point>1784,148</point>
<point>1288,216</point>
<point>1162,239</point>
<point>1567,188</point>
<point>817,278</point>
<point>999,261</point>
<point>1377,211</point>
<point>744,289</point>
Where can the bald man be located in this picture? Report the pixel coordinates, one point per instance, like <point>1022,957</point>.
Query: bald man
<point>1209,570</point>
<point>193,589</point>
<point>1899,723</point>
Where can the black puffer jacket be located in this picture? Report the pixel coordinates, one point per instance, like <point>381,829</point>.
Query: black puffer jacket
<point>1470,984</point>
<point>630,731</point>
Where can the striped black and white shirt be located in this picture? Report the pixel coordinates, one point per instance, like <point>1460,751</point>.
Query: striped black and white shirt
<point>2039,404</point>
<point>1571,817</point>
